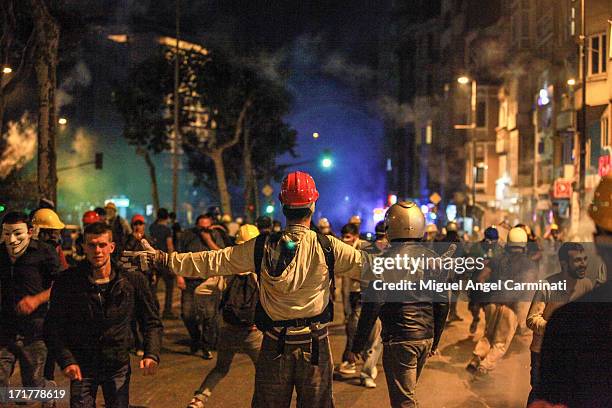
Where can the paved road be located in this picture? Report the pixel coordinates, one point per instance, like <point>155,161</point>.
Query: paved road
<point>443,384</point>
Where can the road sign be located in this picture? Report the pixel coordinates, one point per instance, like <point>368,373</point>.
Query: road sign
<point>267,190</point>
<point>435,198</point>
<point>562,188</point>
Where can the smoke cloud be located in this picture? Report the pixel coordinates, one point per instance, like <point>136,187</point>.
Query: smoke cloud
<point>20,145</point>
<point>78,77</point>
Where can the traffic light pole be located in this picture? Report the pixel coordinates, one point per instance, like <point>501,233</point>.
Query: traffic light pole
<point>176,136</point>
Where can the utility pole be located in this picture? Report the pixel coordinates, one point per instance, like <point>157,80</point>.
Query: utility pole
<point>583,111</point>
<point>176,136</point>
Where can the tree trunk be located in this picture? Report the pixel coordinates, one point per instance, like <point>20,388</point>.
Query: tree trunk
<point>249,185</point>
<point>226,203</point>
<point>47,39</point>
<point>153,174</point>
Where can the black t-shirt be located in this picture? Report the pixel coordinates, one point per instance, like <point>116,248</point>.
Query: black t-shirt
<point>32,273</point>
<point>160,234</point>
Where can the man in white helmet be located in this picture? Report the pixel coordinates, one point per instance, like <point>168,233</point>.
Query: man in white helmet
<point>412,320</point>
<point>501,306</point>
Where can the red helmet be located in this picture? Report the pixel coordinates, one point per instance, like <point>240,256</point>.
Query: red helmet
<point>91,217</point>
<point>138,217</point>
<point>298,190</point>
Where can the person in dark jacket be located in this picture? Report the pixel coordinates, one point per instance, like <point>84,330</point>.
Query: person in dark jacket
<point>200,321</point>
<point>27,270</point>
<point>412,321</point>
<point>88,325</point>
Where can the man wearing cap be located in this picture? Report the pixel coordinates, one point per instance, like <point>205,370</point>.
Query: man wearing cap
<point>27,270</point>
<point>295,276</point>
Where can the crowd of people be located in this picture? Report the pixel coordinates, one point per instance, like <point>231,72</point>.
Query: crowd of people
<point>268,292</point>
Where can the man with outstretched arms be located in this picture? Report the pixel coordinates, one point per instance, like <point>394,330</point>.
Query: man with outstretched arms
<point>296,275</point>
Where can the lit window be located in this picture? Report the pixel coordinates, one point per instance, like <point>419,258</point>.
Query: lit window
<point>597,54</point>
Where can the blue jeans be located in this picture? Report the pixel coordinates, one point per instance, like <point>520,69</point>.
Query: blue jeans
<point>115,388</point>
<point>31,357</point>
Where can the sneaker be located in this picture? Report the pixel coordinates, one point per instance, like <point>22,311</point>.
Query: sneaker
<point>196,402</point>
<point>207,355</point>
<point>474,326</point>
<point>347,368</point>
<point>473,365</point>
<point>368,382</point>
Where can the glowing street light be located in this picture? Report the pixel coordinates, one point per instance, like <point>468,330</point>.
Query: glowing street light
<point>463,80</point>
<point>62,121</point>
<point>571,82</point>
<point>315,135</point>
<point>7,70</point>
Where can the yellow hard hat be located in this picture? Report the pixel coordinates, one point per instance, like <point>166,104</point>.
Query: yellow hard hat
<point>246,232</point>
<point>554,227</point>
<point>226,218</point>
<point>323,223</point>
<point>46,218</point>
<point>601,208</point>
<point>355,219</point>
<point>517,237</point>
<point>452,227</point>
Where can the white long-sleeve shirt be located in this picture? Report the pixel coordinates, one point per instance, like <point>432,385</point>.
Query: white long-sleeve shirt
<point>300,291</point>
<point>546,302</point>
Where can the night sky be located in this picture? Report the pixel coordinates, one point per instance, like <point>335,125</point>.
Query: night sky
<point>327,52</point>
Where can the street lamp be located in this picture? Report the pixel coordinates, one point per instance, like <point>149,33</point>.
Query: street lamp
<point>571,81</point>
<point>62,121</point>
<point>464,80</point>
<point>7,70</point>
<point>315,135</point>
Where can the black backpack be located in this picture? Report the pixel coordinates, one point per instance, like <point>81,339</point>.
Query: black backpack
<point>240,300</point>
<point>262,320</point>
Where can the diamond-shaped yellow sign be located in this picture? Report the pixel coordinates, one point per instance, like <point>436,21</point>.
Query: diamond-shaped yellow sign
<point>267,190</point>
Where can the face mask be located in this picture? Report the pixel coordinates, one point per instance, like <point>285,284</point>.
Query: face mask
<point>16,238</point>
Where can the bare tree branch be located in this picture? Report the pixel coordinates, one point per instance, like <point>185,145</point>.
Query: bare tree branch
<point>239,126</point>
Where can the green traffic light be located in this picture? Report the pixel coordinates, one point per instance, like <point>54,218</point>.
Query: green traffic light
<point>326,163</point>
<point>2,208</point>
<point>269,209</point>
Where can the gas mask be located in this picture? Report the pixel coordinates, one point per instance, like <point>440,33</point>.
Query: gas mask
<point>16,237</point>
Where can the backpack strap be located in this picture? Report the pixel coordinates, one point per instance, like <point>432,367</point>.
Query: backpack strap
<point>258,253</point>
<point>329,256</point>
